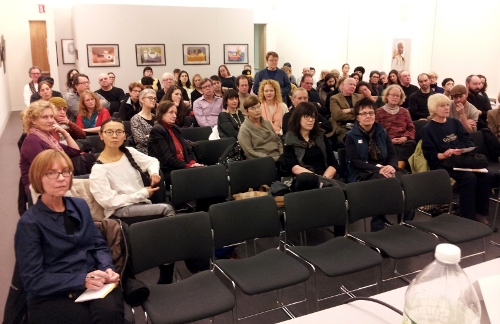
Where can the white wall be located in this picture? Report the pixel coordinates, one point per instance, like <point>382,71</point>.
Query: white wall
<point>4,86</point>
<point>63,30</point>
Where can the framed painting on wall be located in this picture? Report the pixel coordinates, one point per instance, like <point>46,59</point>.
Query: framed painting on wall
<point>235,53</point>
<point>196,54</point>
<point>68,51</point>
<point>150,54</point>
<point>103,55</point>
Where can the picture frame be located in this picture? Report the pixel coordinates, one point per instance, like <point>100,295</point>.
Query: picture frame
<point>150,54</point>
<point>235,53</point>
<point>68,51</point>
<point>196,54</point>
<point>103,55</point>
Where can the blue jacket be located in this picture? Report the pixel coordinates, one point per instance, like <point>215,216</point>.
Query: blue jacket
<point>280,77</point>
<point>49,260</point>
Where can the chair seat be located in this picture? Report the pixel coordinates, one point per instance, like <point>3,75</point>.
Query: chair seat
<point>266,271</point>
<point>399,241</point>
<point>197,297</point>
<point>453,228</point>
<point>339,256</point>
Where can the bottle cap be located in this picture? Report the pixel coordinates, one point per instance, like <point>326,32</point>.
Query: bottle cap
<point>447,253</point>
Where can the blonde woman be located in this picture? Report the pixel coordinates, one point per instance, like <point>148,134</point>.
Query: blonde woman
<point>272,104</point>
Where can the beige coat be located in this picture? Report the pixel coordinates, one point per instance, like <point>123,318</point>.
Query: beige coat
<point>494,122</point>
<point>337,103</point>
<point>259,141</point>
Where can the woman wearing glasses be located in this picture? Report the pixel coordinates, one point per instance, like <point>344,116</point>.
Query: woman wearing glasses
<point>91,115</point>
<point>143,121</point>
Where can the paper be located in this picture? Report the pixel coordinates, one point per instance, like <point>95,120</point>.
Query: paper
<point>95,294</point>
<point>483,170</point>
<point>469,149</point>
<point>490,293</point>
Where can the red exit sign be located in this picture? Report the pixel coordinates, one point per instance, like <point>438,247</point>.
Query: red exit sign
<point>41,8</point>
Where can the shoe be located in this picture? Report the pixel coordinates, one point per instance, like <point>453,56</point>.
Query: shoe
<point>482,219</point>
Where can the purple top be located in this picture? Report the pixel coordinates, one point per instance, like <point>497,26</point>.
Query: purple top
<point>206,113</point>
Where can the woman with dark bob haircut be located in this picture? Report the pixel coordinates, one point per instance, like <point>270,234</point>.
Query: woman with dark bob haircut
<point>174,94</point>
<point>60,252</point>
<point>231,118</point>
<point>308,153</point>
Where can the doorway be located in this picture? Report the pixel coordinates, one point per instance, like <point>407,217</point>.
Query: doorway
<point>259,47</point>
<point>39,53</point>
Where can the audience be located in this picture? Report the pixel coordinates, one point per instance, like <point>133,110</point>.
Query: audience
<point>197,90</point>
<point>243,87</point>
<point>341,107</point>
<point>32,87</point>
<point>185,83</point>
<point>227,81</point>
<point>272,72</point>
<point>376,87</point>
<point>418,99</point>
<point>463,110</point>
<point>208,107</point>
<point>69,80</point>
<point>60,108</point>
<point>230,120</point>
<point>112,94</point>
<point>393,77</point>
<point>131,104</point>
<point>481,102</point>
<point>148,72</point>
<point>447,84</point>
<point>174,94</point>
<point>80,83</point>
<point>408,88</point>
<point>433,78</point>
<point>272,106</point>
<point>46,92</point>
<point>142,122</point>
<point>365,89</point>
<point>90,113</point>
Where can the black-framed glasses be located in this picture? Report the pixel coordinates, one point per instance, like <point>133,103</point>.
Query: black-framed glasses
<point>55,174</point>
<point>152,98</point>
<point>110,132</point>
<point>367,114</point>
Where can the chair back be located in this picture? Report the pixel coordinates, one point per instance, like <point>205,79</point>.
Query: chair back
<point>342,162</point>
<point>128,127</point>
<point>169,239</point>
<point>419,124</point>
<point>374,197</point>
<point>195,134</point>
<point>240,220</point>
<point>208,152</point>
<point>95,142</point>
<point>251,173</point>
<point>198,183</point>
<point>305,210</point>
<point>426,188</point>
<point>477,138</point>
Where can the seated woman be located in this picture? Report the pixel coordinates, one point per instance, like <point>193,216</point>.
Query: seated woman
<point>393,77</point>
<point>397,122</point>
<point>257,136</point>
<point>167,144</point>
<point>174,94</point>
<point>365,89</point>
<point>231,118</point>
<point>272,106</point>
<point>308,152</point>
<point>142,122</point>
<point>44,91</point>
<point>69,80</point>
<point>91,114</point>
<point>326,87</point>
<point>227,81</point>
<point>116,182</point>
<point>184,82</point>
<point>60,252</point>
<point>39,124</point>
<point>197,91</point>
<point>61,107</point>
<point>444,137</point>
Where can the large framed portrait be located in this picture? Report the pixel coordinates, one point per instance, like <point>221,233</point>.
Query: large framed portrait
<point>235,53</point>
<point>196,54</point>
<point>150,54</point>
<point>99,55</point>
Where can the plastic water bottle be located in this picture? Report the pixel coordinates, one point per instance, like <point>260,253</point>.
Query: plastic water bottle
<point>441,293</point>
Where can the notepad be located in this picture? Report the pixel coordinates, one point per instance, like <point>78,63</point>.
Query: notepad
<point>95,294</point>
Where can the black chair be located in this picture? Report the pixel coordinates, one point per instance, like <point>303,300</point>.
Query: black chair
<point>160,241</point>
<point>419,124</point>
<point>195,134</point>
<point>204,185</point>
<point>385,197</point>
<point>237,221</point>
<point>128,127</point>
<point>93,142</point>
<point>306,210</point>
<point>434,187</point>
<point>342,163</point>
<point>252,173</point>
<point>208,152</point>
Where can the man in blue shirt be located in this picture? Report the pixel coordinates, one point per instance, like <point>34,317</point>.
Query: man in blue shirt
<point>272,72</point>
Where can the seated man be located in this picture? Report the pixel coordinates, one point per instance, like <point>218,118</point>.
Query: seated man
<point>463,110</point>
<point>112,94</point>
<point>208,107</point>
<point>81,83</point>
<point>341,107</point>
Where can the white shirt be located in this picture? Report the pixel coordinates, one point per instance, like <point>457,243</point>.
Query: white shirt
<point>27,93</point>
<point>119,184</point>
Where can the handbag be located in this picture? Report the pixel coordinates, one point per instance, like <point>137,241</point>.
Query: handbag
<point>466,160</point>
<point>263,191</point>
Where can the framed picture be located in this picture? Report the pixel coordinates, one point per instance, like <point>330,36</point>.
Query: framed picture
<point>196,54</point>
<point>103,55</point>
<point>68,51</point>
<point>235,53</point>
<point>150,54</point>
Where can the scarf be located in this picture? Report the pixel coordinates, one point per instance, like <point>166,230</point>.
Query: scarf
<point>179,149</point>
<point>373,149</point>
<point>90,122</point>
<point>32,87</point>
<point>47,139</point>
<point>276,117</point>
<point>392,111</point>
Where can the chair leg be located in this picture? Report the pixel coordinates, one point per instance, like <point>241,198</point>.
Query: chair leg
<point>378,276</point>
<point>403,277</point>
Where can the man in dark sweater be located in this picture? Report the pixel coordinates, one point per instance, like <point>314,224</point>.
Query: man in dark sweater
<point>307,83</point>
<point>112,94</point>
<point>481,102</point>
<point>272,72</point>
<point>408,88</point>
<point>418,99</point>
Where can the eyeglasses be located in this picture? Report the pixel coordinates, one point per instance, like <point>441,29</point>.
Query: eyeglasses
<point>394,95</point>
<point>254,108</point>
<point>307,117</point>
<point>207,86</point>
<point>35,73</point>
<point>110,132</point>
<point>371,114</point>
<point>55,174</point>
<point>151,98</point>
<point>84,82</point>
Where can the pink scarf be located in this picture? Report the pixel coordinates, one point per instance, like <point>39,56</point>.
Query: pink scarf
<point>276,118</point>
<point>48,139</point>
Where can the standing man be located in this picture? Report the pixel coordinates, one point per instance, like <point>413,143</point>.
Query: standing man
<point>418,99</point>
<point>341,107</point>
<point>81,83</point>
<point>473,84</point>
<point>112,94</point>
<point>32,87</point>
<point>272,72</point>
<point>208,107</point>
<point>243,87</point>
<point>408,88</point>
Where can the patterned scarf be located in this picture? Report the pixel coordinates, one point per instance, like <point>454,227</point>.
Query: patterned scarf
<point>32,87</point>
<point>390,110</point>
<point>48,139</point>
<point>373,149</point>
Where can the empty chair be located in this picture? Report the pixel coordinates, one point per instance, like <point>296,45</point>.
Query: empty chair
<point>251,173</point>
<point>165,240</point>
<point>385,197</point>
<point>195,134</point>
<point>235,222</point>
<point>306,210</point>
<point>434,187</point>
<point>208,152</point>
<point>202,184</point>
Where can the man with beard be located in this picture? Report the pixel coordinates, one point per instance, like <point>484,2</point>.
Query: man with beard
<point>473,84</point>
<point>418,99</point>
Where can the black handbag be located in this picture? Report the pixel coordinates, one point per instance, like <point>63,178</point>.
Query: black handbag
<point>466,160</point>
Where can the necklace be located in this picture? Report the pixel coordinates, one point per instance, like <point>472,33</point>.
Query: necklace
<point>109,159</point>
<point>237,119</point>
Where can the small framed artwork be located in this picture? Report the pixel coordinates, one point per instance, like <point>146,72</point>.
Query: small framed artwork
<point>150,54</point>
<point>235,53</point>
<point>68,51</point>
<point>103,55</point>
<point>196,54</point>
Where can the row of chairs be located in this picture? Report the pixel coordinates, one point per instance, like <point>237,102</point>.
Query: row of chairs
<point>197,235</point>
